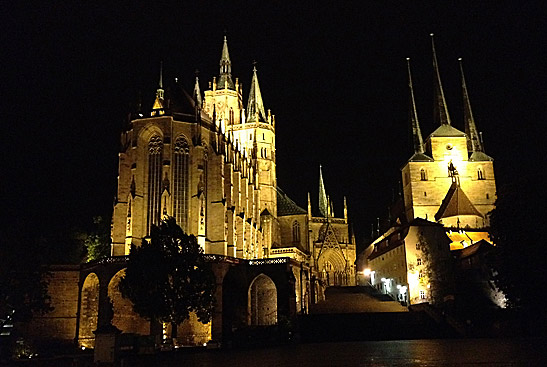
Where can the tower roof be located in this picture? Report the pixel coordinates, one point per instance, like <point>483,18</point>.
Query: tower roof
<point>474,144</point>
<point>158,103</point>
<point>286,206</point>
<point>225,77</point>
<point>255,106</point>
<point>447,131</point>
<point>456,203</point>
<point>441,110</point>
<point>323,202</point>
<point>417,140</point>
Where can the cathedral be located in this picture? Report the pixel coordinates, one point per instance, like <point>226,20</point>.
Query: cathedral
<point>209,160</point>
<point>448,191</point>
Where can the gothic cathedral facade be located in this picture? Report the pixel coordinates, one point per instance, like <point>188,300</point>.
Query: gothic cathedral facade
<point>209,161</point>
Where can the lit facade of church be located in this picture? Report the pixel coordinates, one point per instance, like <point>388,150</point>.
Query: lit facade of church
<point>209,161</point>
<point>448,191</point>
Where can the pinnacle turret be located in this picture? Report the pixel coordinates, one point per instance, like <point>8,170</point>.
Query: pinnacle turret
<point>158,103</point>
<point>197,92</point>
<point>255,106</point>
<point>440,109</point>
<point>225,77</point>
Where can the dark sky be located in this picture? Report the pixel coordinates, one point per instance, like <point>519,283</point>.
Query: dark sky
<point>333,73</point>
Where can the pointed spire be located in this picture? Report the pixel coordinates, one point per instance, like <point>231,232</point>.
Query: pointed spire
<point>309,205</point>
<point>417,140</point>
<point>197,91</point>
<point>158,103</point>
<point>345,210</point>
<point>323,203</point>
<point>440,109</point>
<point>225,78</point>
<point>255,106</point>
<point>473,139</point>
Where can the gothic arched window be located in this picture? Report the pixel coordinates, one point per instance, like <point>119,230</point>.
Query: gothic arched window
<point>155,146</point>
<point>181,182</point>
<point>296,232</point>
<point>423,174</point>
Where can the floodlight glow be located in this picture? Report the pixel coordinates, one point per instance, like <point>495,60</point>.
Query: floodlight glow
<point>367,272</point>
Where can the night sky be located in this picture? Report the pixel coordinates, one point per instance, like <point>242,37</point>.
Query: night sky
<point>333,73</point>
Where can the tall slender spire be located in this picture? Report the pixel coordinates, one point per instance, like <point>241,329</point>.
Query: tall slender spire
<point>158,103</point>
<point>440,109</point>
<point>323,203</point>
<point>255,106</point>
<point>473,140</point>
<point>417,140</point>
<point>197,91</point>
<point>225,78</point>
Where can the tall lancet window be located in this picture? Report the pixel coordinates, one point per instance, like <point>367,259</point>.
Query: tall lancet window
<point>296,233</point>
<point>155,147</point>
<point>181,182</point>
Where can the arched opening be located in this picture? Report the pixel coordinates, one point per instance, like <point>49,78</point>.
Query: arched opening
<point>124,318</point>
<point>296,233</point>
<point>89,311</point>
<point>262,298</point>
<point>332,265</point>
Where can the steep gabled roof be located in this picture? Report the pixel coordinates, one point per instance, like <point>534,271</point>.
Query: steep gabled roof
<point>420,157</point>
<point>456,203</point>
<point>285,206</point>
<point>447,131</point>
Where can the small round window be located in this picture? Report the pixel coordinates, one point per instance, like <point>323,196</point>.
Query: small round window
<point>449,147</point>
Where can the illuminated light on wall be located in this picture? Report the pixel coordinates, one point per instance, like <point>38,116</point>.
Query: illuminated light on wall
<point>367,272</point>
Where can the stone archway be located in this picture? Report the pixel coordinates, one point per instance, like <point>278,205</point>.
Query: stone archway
<point>88,311</point>
<point>332,266</point>
<point>124,317</point>
<point>262,298</point>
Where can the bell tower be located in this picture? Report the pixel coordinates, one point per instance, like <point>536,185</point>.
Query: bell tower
<point>256,135</point>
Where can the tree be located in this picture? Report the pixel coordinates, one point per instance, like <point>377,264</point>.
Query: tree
<point>23,277</point>
<point>97,241</point>
<point>517,229</point>
<point>167,277</point>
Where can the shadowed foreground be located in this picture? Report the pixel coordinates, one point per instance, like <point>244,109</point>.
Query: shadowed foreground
<point>455,352</point>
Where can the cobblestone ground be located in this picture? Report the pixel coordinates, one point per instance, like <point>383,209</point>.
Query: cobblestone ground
<point>399,353</point>
<point>355,300</point>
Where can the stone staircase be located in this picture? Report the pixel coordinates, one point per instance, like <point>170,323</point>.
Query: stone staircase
<point>362,313</point>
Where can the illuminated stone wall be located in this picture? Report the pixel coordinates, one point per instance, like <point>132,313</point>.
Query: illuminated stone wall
<point>124,317</point>
<point>89,310</point>
<point>59,324</point>
<point>426,184</point>
<point>402,258</point>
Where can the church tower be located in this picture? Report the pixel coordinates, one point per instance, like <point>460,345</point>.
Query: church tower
<point>449,178</point>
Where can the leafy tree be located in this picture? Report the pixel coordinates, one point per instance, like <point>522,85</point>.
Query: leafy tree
<point>167,277</point>
<point>517,229</point>
<point>438,268</point>
<point>23,278</point>
<point>97,242</point>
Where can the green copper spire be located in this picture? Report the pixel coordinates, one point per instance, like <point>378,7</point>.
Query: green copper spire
<point>441,110</point>
<point>473,140</point>
<point>323,203</point>
<point>225,78</point>
<point>255,106</point>
<point>417,140</point>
